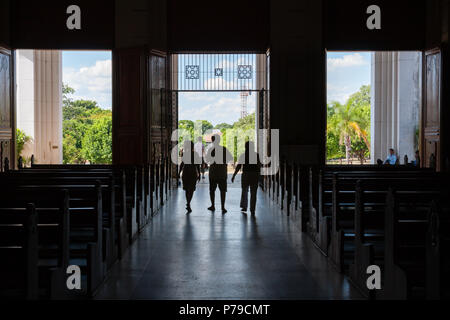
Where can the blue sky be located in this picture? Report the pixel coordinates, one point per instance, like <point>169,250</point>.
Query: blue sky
<point>216,107</point>
<point>89,73</point>
<point>346,73</point>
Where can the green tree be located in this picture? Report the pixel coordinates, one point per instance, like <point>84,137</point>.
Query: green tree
<point>247,122</point>
<point>238,133</point>
<point>66,91</point>
<point>243,130</point>
<point>71,153</point>
<point>361,97</point>
<point>79,118</point>
<point>80,108</point>
<point>205,126</point>
<point>334,149</point>
<point>21,139</point>
<point>188,126</point>
<point>97,142</point>
<point>351,123</point>
<point>223,126</point>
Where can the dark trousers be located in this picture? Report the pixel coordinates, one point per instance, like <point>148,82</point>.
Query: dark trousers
<point>249,181</point>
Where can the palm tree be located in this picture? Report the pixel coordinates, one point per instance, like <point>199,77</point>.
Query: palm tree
<point>348,122</point>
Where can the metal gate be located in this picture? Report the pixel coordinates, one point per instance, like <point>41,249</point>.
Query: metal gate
<point>218,72</point>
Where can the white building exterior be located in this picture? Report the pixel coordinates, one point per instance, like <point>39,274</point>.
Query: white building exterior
<point>395,103</point>
<point>39,103</point>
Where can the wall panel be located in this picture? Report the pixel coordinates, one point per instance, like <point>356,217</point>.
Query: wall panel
<point>5,30</point>
<point>7,114</point>
<point>210,25</point>
<point>42,25</point>
<point>402,25</point>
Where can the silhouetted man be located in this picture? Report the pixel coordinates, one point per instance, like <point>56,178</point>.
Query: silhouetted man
<point>251,168</point>
<point>217,157</point>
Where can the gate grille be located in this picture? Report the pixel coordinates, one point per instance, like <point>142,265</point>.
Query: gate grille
<point>216,72</point>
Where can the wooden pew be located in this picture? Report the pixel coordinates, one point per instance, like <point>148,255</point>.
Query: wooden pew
<point>134,184</point>
<point>86,226</point>
<point>437,251</point>
<point>406,225</point>
<point>129,190</point>
<point>18,249</point>
<point>283,188</point>
<point>313,209</point>
<point>321,201</point>
<point>52,210</point>
<point>114,223</point>
<point>373,226</point>
<point>343,207</point>
<point>154,189</point>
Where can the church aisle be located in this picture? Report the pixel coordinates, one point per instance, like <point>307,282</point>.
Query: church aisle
<point>207,255</point>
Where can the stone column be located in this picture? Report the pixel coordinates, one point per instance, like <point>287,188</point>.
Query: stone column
<point>261,83</point>
<point>395,103</point>
<point>25,98</point>
<point>39,103</point>
<point>409,102</point>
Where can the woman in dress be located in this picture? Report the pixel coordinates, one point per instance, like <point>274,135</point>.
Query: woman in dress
<point>190,166</point>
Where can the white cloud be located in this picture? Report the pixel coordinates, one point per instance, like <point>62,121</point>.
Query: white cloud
<point>215,108</point>
<point>341,93</point>
<point>231,64</point>
<point>338,93</point>
<point>92,82</point>
<point>225,64</point>
<point>195,96</point>
<point>350,60</point>
<point>217,84</point>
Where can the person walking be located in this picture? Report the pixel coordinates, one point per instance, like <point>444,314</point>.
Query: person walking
<point>218,157</point>
<point>200,149</point>
<point>251,167</point>
<point>190,167</point>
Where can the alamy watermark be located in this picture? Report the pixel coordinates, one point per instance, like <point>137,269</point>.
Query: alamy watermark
<point>233,141</point>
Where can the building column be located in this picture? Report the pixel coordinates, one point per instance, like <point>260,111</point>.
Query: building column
<point>39,103</point>
<point>395,103</point>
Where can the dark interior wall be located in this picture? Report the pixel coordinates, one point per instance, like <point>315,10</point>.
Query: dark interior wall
<point>141,23</point>
<point>402,25</point>
<point>445,9</point>
<point>445,108</point>
<point>42,25</point>
<point>5,37</point>
<point>129,125</point>
<point>212,25</point>
<point>297,32</point>
<point>297,78</point>
<point>434,24</point>
<point>132,23</point>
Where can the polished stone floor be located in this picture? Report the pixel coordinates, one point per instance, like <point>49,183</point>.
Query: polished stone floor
<point>206,255</point>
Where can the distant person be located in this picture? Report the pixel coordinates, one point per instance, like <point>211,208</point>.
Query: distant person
<point>200,149</point>
<point>218,157</point>
<point>416,162</point>
<point>191,172</point>
<point>251,168</point>
<point>391,158</point>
